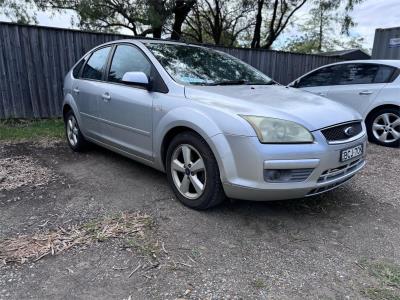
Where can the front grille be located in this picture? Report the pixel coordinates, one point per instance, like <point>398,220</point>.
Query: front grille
<point>336,175</point>
<point>342,132</point>
<point>332,174</point>
<point>328,187</point>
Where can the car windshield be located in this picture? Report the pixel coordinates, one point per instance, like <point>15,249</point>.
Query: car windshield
<point>201,66</point>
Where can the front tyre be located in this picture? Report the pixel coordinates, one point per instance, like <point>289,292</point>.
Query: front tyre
<point>193,173</point>
<point>384,127</point>
<point>75,139</point>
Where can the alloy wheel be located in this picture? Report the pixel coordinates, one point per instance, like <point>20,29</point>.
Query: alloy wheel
<point>72,131</point>
<point>386,127</point>
<point>188,171</point>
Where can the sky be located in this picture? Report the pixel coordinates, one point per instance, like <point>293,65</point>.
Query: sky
<point>374,14</point>
<point>368,16</point>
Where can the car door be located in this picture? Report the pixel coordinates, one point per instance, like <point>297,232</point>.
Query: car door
<point>126,110</point>
<point>318,82</point>
<point>358,84</point>
<point>88,89</point>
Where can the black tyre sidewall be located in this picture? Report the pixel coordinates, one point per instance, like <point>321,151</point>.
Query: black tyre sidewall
<point>81,144</point>
<point>213,193</point>
<point>369,123</point>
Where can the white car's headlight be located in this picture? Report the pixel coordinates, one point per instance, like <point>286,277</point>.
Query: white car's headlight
<point>277,131</point>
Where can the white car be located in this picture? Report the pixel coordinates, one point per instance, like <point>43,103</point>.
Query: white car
<point>372,87</point>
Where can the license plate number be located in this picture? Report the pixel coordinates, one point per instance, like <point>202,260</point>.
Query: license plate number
<point>350,153</point>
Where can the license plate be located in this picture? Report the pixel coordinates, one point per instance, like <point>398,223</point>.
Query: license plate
<point>350,153</point>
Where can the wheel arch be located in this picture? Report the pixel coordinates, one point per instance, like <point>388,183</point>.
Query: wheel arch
<point>169,136</point>
<point>378,108</point>
<point>178,121</point>
<point>68,105</point>
<point>66,108</point>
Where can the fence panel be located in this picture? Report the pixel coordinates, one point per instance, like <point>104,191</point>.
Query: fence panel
<point>34,61</point>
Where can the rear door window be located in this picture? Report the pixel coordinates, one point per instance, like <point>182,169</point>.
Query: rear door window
<point>96,64</point>
<point>357,74</point>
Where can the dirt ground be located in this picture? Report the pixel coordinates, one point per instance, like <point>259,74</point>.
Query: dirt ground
<point>331,246</point>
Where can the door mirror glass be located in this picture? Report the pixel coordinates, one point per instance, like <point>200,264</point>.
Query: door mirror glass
<point>136,78</point>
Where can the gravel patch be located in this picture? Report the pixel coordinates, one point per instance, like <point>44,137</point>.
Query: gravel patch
<point>21,171</point>
<point>340,245</point>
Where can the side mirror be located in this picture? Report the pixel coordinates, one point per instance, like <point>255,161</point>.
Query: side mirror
<point>137,78</point>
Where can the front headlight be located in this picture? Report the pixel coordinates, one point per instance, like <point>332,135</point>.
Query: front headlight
<point>277,131</point>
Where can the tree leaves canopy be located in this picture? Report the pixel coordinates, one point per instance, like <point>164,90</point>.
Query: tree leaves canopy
<point>255,23</point>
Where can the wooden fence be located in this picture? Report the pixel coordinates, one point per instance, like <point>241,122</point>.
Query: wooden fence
<point>34,60</point>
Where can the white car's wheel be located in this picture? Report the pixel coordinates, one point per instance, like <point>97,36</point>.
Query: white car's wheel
<point>384,127</point>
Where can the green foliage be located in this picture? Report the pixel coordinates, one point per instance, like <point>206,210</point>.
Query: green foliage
<point>219,22</point>
<point>388,275</point>
<point>22,12</point>
<point>381,294</point>
<point>258,283</point>
<point>258,23</point>
<point>31,129</point>
<point>326,29</point>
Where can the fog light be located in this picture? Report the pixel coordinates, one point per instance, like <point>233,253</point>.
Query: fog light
<point>286,175</point>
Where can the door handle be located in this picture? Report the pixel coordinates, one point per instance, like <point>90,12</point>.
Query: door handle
<point>106,97</point>
<point>76,90</point>
<point>322,94</point>
<point>365,93</point>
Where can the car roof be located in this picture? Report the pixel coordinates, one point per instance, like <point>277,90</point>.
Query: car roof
<point>155,41</point>
<point>389,62</point>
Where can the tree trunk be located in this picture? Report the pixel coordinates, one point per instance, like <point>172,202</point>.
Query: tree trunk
<point>270,40</point>
<point>217,32</point>
<point>181,10</point>
<point>159,15</point>
<point>271,37</point>
<point>255,43</point>
<point>157,32</point>
<point>320,34</point>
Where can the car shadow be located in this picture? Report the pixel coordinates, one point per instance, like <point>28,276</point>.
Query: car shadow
<point>343,202</point>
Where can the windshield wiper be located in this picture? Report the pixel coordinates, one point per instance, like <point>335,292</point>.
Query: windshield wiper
<point>262,83</point>
<point>239,82</point>
<point>228,82</point>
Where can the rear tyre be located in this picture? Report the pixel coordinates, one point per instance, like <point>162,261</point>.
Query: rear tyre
<point>383,127</point>
<point>75,139</point>
<point>193,173</point>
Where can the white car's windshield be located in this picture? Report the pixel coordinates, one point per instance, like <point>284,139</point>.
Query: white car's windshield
<point>202,66</point>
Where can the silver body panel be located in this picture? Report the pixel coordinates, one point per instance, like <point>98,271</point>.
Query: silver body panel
<point>133,122</point>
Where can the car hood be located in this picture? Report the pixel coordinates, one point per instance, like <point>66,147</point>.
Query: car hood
<point>311,111</point>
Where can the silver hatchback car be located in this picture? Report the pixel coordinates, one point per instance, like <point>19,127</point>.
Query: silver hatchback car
<point>217,126</point>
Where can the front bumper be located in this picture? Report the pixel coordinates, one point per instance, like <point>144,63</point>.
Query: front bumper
<point>244,161</point>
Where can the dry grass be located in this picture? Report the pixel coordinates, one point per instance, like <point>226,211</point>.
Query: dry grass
<point>34,247</point>
<point>21,171</point>
<point>388,275</point>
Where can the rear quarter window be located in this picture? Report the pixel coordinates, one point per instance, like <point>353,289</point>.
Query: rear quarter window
<point>76,72</point>
<point>384,74</point>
